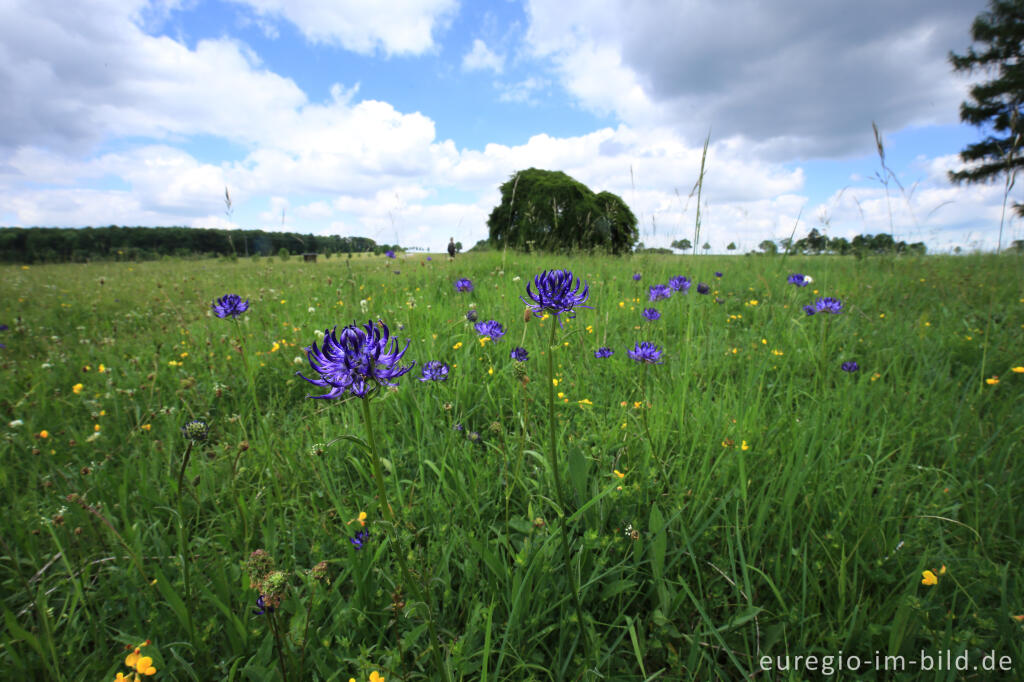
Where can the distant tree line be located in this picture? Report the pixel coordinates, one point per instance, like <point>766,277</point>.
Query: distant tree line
<point>861,245</point>
<point>80,245</point>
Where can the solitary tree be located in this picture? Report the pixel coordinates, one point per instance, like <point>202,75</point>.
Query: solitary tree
<point>682,244</point>
<point>732,246</point>
<point>995,105</point>
<point>550,211</point>
<point>768,246</point>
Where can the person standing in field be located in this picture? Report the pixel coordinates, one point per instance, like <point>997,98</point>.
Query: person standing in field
<point>451,247</point>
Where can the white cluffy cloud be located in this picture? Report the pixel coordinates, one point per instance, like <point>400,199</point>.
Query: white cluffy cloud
<point>480,58</point>
<point>397,27</point>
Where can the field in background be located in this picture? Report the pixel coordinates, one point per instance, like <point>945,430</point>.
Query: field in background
<point>796,505</point>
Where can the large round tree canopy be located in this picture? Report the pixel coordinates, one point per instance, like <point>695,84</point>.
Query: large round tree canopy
<point>550,211</point>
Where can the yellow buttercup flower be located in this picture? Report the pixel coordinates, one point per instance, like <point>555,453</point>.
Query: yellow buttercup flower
<point>992,380</point>
<point>744,446</point>
<point>483,340</point>
<point>929,578</point>
<point>457,346</point>
<point>1017,370</point>
<point>619,473</point>
<point>77,388</point>
<point>376,677</point>
<point>44,434</point>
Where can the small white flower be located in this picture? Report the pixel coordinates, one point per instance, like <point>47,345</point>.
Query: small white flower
<point>516,278</point>
<point>311,309</point>
<point>808,279</point>
<point>16,423</point>
<point>297,360</point>
<point>46,365</point>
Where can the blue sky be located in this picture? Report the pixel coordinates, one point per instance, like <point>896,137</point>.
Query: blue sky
<point>400,120</point>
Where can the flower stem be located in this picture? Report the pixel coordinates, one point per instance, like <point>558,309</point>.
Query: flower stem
<point>553,457</point>
<point>648,453</point>
<point>393,522</point>
<point>248,371</point>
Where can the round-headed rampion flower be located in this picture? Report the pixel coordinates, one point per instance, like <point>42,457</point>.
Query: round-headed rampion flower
<point>490,328</point>
<point>232,305</point>
<point>471,315</point>
<point>809,309</point>
<point>660,291</point>
<point>519,354</point>
<point>434,370</point>
<point>645,351</point>
<point>636,276</point>
<point>603,352</point>
<point>463,285</point>
<point>357,361</point>
<point>703,288</point>
<point>360,539</point>
<point>558,291</point>
<point>718,275</point>
<point>195,430</point>
<point>679,283</point>
<point>651,314</point>
<point>850,366</point>
<point>389,253</point>
<point>261,606</point>
<point>798,279</point>
<point>828,305</point>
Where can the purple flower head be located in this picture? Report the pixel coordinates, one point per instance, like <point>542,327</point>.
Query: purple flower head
<point>463,285</point>
<point>703,288</point>
<point>603,352</point>
<point>261,606</point>
<point>389,253</point>
<point>519,354</point>
<point>490,328</point>
<point>3,327</point>
<point>850,366</point>
<point>645,351</point>
<point>651,314</point>
<point>809,309</point>
<point>660,291</point>
<point>557,294</point>
<point>679,283</point>
<point>434,371</point>
<point>473,437</point>
<point>429,258</point>
<point>195,430</point>
<point>636,276</point>
<point>471,315</point>
<point>457,427</point>
<point>358,360</point>
<point>798,279</point>
<point>828,305</point>
<point>718,275</point>
<point>232,305</point>
<point>360,539</point>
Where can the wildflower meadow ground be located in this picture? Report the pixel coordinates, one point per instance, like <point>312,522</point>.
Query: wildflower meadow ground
<point>511,467</point>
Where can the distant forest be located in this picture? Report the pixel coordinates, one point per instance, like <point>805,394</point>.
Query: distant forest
<point>81,245</point>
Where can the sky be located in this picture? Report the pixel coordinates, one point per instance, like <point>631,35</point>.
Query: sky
<point>400,120</point>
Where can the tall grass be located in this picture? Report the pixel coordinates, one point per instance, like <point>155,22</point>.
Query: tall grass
<point>792,506</point>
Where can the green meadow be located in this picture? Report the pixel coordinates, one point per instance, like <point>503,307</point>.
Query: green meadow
<point>741,503</point>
